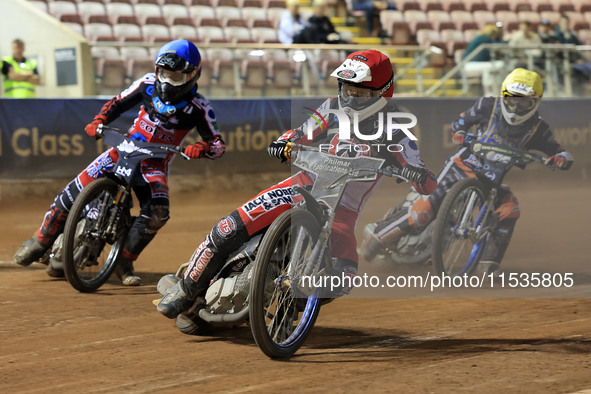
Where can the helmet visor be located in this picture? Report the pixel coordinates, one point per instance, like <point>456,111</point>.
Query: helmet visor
<point>175,78</point>
<point>519,105</point>
<point>349,90</point>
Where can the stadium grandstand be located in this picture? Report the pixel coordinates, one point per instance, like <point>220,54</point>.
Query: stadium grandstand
<point>243,57</point>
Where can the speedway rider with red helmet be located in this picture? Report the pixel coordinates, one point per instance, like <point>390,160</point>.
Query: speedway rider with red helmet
<point>511,119</point>
<point>170,107</point>
<point>366,81</point>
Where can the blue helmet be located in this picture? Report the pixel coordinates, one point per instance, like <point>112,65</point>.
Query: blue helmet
<point>178,67</point>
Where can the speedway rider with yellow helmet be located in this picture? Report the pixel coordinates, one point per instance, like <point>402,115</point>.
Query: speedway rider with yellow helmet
<point>511,119</point>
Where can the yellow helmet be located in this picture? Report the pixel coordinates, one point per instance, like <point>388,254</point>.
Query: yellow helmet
<point>521,92</point>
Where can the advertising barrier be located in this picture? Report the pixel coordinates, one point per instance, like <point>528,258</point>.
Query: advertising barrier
<point>44,138</point>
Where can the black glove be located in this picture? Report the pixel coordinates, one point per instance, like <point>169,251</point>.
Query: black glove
<point>414,174</point>
<point>280,150</point>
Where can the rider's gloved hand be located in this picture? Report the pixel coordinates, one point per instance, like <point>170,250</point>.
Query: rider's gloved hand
<point>562,160</point>
<point>197,150</point>
<point>459,137</point>
<point>414,174</point>
<point>280,150</point>
<point>92,127</point>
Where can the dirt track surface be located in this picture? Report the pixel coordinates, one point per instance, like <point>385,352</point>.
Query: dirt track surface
<point>54,339</point>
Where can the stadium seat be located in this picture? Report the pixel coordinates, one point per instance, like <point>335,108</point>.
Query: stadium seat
<point>581,25</point>
<point>413,17</point>
<point>171,11</point>
<point>447,26</point>
<point>552,16</point>
<point>528,16</point>
<point>521,6</point>
<point>138,62</point>
<point>387,19</point>
<point>544,7</point>
<point>438,17</point>
<point>126,30</point>
<point>454,6</point>
<point>478,7</point>
<point>498,7</point>
<point>235,33</point>
<point>151,33</point>
<point>275,9</point>
<point>88,8</point>
<point>208,33</point>
<point>59,8</point>
<point>228,9</point>
<point>564,7</point>
<point>92,31</point>
<point>507,16</point>
<point>409,5</point>
<point>470,34</point>
<point>450,37</point>
<point>251,14</point>
<point>262,34</point>
<point>145,10</point>
<point>183,32</point>
<point>42,5</point>
<point>109,69</point>
<point>431,6</point>
<point>469,26</point>
<point>584,36</point>
<point>425,37</point>
<point>256,23</point>
<point>115,10</point>
<point>461,16</point>
<point>199,12</point>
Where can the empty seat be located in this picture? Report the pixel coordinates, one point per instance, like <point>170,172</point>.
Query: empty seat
<point>138,62</point>
<point>42,5</point>
<point>251,13</point>
<point>199,12</point>
<point>88,8</point>
<point>261,23</point>
<point>521,6</point>
<point>235,33</point>
<point>469,26</point>
<point>454,6</point>
<point>581,26</point>
<point>92,31</point>
<point>437,17</point>
<point>461,16</point>
<point>425,37</point>
<point>500,7</point>
<point>450,37</point>
<point>115,10</point>
<point>152,32</point>
<point>208,33</point>
<point>414,16</point>
<point>507,16</point>
<point>183,32</point>
<point>183,21</point>
<point>432,6</point>
<point>171,11</point>
<point>126,30</point>
<point>388,18</point>
<point>144,10</point>
<point>59,8</point>
<point>262,34</point>
<point>447,26</point>
<point>483,18</point>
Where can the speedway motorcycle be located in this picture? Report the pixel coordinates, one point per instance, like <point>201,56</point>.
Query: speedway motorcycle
<point>264,281</point>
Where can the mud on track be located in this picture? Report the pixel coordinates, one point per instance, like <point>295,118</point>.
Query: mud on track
<point>54,339</point>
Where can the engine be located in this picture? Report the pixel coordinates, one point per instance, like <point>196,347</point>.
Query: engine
<point>229,294</point>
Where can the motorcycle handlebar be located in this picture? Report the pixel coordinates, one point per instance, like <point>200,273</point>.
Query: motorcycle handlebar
<point>100,131</point>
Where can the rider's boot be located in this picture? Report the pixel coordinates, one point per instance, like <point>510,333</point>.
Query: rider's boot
<point>346,271</point>
<point>495,247</point>
<point>124,271</point>
<point>179,298</point>
<point>32,250</point>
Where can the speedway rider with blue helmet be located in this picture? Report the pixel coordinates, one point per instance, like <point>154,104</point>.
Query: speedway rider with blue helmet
<point>170,107</point>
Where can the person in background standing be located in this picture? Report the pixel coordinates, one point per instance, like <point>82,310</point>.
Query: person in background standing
<point>20,74</point>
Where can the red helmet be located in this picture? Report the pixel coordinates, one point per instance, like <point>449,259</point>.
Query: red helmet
<point>362,76</point>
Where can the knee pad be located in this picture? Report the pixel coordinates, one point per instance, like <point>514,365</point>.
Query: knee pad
<point>421,213</point>
<point>509,207</point>
<point>159,215</point>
